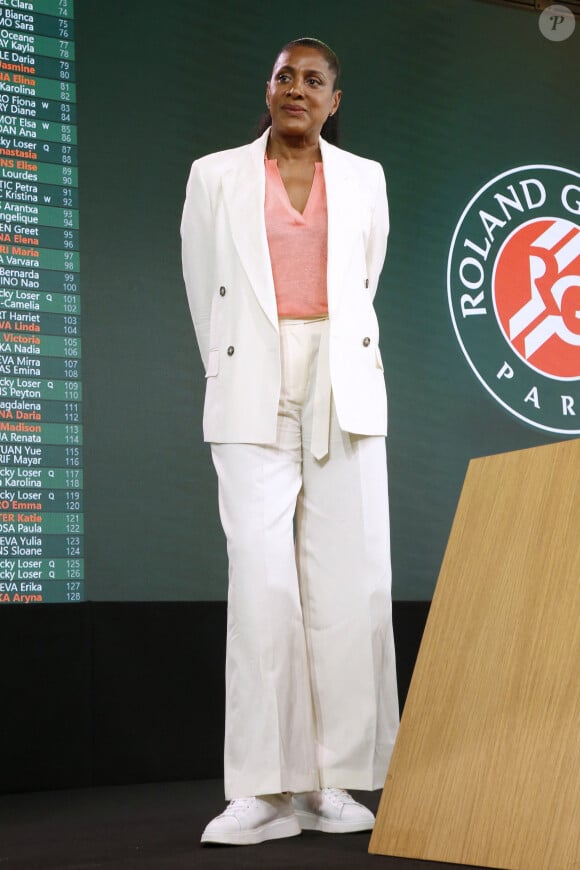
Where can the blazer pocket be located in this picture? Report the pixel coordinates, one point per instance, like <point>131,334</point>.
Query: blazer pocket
<point>213,364</point>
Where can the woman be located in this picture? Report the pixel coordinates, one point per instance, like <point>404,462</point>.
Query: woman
<point>283,243</point>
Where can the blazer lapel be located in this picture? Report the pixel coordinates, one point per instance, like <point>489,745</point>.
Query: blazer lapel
<point>244,192</point>
<point>343,204</point>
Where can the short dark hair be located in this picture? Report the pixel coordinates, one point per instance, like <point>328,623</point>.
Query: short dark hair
<point>330,128</point>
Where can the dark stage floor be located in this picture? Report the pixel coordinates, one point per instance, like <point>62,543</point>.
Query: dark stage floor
<point>158,826</point>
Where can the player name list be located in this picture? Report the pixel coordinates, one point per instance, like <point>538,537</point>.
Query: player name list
<point>41,435</point>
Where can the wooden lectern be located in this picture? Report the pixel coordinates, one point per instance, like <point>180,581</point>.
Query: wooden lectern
<point>486,767</point>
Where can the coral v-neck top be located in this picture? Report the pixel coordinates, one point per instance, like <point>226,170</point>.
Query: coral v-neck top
<point>298,246</point>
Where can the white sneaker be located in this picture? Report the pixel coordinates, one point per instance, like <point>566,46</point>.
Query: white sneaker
<point>250,820</point>
<point>333,811</point>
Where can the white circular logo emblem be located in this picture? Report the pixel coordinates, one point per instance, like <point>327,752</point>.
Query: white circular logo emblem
<point>557,23</point>
<point>513,281</point>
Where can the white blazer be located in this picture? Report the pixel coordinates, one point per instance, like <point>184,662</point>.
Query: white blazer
<point>228,277</point>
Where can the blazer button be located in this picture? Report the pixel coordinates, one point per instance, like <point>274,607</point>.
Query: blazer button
<point>231,350</point>
<point>222,291</point>
<point>367,283</point>
<point>366,341</point>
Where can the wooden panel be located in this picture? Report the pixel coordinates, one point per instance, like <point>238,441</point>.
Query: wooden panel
<point>486,767</point>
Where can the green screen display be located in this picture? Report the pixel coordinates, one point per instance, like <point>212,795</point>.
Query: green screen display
<point>107,491</point>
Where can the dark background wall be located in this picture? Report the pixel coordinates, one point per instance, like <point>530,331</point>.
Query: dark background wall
<point>128,686</point>
<point>113,693</point>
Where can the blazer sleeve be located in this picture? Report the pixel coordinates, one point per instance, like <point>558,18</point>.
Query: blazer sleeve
<point>377,241</point>
<point>197,242</point>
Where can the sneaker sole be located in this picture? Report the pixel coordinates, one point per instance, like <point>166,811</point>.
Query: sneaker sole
<point>277,829</point>
<point>312,822</point>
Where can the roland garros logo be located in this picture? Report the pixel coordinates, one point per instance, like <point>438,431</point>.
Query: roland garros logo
<point>513,280</point>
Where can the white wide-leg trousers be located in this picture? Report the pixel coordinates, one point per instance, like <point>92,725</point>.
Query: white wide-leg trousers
<point>311,697</point>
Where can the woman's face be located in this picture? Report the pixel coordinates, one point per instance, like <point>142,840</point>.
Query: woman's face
<point>300,93</point>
